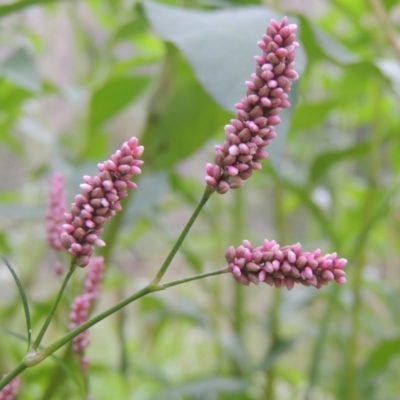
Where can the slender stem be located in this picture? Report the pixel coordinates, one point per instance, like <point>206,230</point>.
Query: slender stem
<point>14,373</point>
<point>193,278</point>
<point>46,324</point>
<point>239,300</point>
<point>207,193</point>
<point>279,224</point>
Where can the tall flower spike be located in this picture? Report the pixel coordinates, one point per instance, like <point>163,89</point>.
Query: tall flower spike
<point>284,266</point>
<point>10,391</point>
<point>55,212</point>
<point>100,200</point>
<point>81,307</point>
<point>257,113</point>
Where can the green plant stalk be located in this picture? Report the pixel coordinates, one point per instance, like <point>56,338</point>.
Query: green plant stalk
<point>239,304</point>
<point>207,193</point>
<point>279,224</point>
<point>370,200</point>
<point>46,324</point>
<point>35,357</point>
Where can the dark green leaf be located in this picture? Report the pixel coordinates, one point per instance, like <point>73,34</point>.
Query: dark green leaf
<point>113,96</point>
<point>188,120</point>
<point>325,160</point>
<point>23,298</point>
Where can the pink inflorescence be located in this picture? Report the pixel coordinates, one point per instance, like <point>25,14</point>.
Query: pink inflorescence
<point>284,266</point>
<point>9,391</point>
<point>55,212</point>
<point>81,307</point>
<point>100,200</point>
<point>257,113</point>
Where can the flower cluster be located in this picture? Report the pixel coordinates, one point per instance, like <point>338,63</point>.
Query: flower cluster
<point>257,113</point>
<point>9,391</point>
<point>81,307</point>
<point>284,266</point>
<point>100,199</point>
<point>55,212</point>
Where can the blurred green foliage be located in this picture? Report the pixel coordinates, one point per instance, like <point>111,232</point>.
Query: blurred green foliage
<point>78,78</point>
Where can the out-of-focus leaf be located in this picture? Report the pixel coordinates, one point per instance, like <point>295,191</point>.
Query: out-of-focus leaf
<point>325,160</point>
<point>188,120</point>
<point>20,69</point>
<point>320,45</point>
<point>308,115</point>
<point>391,69</point>
<point>152,188</point>
<point>281,346</point>
<point>376,363</point>
<point>20,5</point>
<point>203,388</point>
<point>113,96</point>
<point>219,45</point>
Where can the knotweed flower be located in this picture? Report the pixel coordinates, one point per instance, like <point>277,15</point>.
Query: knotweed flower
<point>257,113</point>
<point>99,201</point>
<point>81,307</point>
<point>55,212</point>
<point>9,391</point>
<point>284,266</point>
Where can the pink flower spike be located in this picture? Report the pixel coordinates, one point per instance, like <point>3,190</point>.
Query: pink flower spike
<point>55,212</point>
<point>100,199</point>
<point>257,113</point>
<point>283,266</point>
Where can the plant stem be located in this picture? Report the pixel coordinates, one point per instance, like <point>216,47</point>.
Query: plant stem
<point>207,193</point>
<point>46,324</point>
<point>34,358</point>
<point>279,224</point>
<point>239,300</point>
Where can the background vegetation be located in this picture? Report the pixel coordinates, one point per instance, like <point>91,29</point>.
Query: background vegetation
<point>77,78</point>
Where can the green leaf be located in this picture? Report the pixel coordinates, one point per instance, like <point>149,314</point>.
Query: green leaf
<point>20,69</point>
<point>377,361</point>
<point>113,96</point>
<point>308,115</point>
<point>219,45</point>
<point>20,5</point>
<point>23,298</point>
<point>189,118</point>
<point>325,160</point>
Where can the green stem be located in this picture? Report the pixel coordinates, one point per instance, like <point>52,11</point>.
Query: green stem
<point>35,357</point>
<point>279,223</point>
<point>239,300</point>
<point>46,324</point>
<point>14,373</point>
<point>207,193</point>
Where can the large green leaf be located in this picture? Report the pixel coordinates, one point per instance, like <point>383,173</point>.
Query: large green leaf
<point>219,45</point>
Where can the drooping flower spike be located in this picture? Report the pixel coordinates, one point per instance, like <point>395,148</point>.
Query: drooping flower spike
<point>81,307</point>
<point>257,113</point>
<point>10,391</point>
<point>283,266</point>
<point>100,200</point>
<point>55,212</point>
